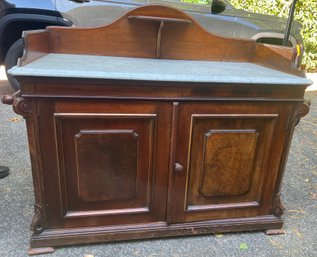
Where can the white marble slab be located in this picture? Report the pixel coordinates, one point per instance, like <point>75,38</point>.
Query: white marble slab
<point>143,69</point>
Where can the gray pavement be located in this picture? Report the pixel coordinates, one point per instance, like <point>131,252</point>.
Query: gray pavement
<point>299,194</point>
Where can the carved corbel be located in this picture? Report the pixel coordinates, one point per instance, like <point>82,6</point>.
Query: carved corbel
<point>21,106</point>
<point>301,111</point>
<point>37,224</point>
<point>277,208</point>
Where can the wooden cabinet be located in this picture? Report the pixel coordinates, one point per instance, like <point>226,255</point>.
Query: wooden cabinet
<point>155,142</point>
<point>127,169</point>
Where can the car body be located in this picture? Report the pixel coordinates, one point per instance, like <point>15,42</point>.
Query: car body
<point>19,15</point>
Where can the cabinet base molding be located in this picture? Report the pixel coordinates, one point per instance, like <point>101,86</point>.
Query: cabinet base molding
<point>40,250</point>
<point>60,237</point>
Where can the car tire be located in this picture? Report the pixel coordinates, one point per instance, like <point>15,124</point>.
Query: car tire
<point>11,59</point>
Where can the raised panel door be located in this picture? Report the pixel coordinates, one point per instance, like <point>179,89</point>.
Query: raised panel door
<point>229,157</point>
<point>108,171</point>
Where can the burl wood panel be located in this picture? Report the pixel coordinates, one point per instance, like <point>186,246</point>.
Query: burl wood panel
<point>227,163</point>
<point>228,157</point>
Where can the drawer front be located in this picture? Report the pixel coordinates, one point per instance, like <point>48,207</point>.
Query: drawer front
<point>107,172</point>
<point>230,156</point>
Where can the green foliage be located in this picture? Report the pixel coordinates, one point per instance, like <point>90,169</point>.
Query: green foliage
<point>305,13</point>
<point>197,1</point>
<point>244,246</point>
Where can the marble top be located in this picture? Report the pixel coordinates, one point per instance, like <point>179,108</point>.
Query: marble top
<point>146,69</point>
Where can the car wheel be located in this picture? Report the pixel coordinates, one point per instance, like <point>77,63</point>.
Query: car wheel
<point>11,59</point>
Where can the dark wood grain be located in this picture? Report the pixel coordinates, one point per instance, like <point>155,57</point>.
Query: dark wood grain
<point>113,163</point>
<point>277,57</point>
<point>36,45</point>
<point>227,162</point>
<point>151,230</point>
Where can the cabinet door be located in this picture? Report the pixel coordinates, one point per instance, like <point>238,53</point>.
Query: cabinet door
<point>107,170</point>
<point>226,160</point>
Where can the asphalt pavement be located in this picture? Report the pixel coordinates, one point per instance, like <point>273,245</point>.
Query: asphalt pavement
<point>299,195</point>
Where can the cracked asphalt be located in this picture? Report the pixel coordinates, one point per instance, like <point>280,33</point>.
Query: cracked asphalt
<point>299,195</point>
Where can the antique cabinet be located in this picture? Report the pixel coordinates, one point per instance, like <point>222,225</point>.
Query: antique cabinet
<point>152,127</point>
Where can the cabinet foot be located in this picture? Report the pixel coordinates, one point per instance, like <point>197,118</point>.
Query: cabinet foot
<point>272,232</point>
<point>41,250</point>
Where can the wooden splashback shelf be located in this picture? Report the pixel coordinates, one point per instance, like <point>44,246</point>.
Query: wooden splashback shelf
<point>157,32</point>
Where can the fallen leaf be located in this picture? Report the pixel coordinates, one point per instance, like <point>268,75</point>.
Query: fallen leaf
<point>276,244</point>
<point>313,195</point>
<point>296,211</point>
<point>295,217</point>
<point>297,233</point>
<point>244,246</point>
<point>16,119</point>
<point>218,235</point>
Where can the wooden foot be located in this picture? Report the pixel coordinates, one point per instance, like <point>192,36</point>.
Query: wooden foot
<point>272,232</point>
<point>42,250</point>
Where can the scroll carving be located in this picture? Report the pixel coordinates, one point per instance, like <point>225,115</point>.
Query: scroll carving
<point>21,106</point>
<point>37,224</point>
<point>277,206</point>
<point>301,111</point>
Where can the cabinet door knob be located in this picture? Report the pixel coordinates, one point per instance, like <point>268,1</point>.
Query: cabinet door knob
<point>178,167</point>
